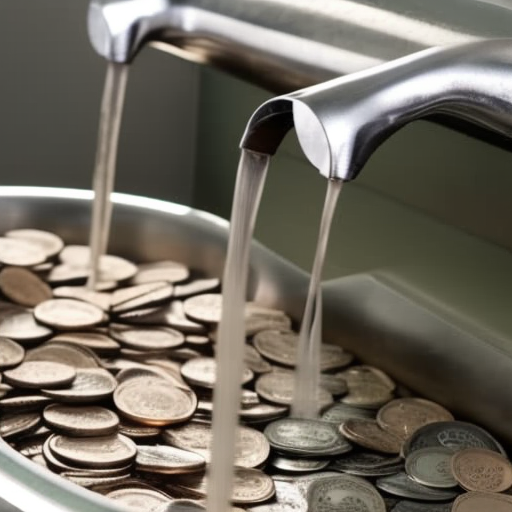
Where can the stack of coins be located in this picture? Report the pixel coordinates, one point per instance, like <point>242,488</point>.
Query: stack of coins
<point>112,389</point>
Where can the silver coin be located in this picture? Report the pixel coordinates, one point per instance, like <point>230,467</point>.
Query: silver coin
<point>11,354</point>
<point>63,352</point>
<point>18,323</point>
<point>170,271</point>
<point>156,296</point>
<point>24,403</point>
<point>15,424</point>
<point>306,438</point>
<point>68,314</point>
<point>260,318</point>
<point>338,413</point>
<point>139,499</point>
<point>196,287</point>
<point>288,498</point>
<point>167,460</point>
<point>49,243</point>
<point>92,481</point>
<point>20,253</point>
<point>298,465</point>
<point>455,435</point>
<point>431,466</point>
<point>255,362</point>
<point>418,506</point>
<point>204,308</point>
<point>262,411</point>
<point>99,343</point>
<point>90,384</point>
<point>40,374</point>
<point>146,338</point>
<point>99,299</point>
<point>136,431</point>
<point>368,464</point>
<point>201,371</point>
<point>344,492</point>
<point>122,295</point>
<point>401,485</point>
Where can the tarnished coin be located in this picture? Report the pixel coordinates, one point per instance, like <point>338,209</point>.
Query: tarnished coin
<point>168,460</point>
<point>403,416</point>
<point>455,435</point>
<point>482,502</point>
<point>98,342</point>
<point>24,403</point>
<point>251,448</point>
<point>196,287</point>
<point>403,486</point>
<point>111,268</point>
<point>431,466</point>
<point>339,413</point>
<point>40,374</point>
<point>477,469</point>
<point>18,323</point>
<point>288,497</point>
<point>137,431</point>
<point>262,412</point>
<point>368,433</point>
<point>94,452</point>
<point>154,401</point>
<point>121,295</point>
<point>344,492</point>
<point>166,270</point>
<point>23,286</point>
<point>139,499</point>
<point>81,421</point>
<point>281,347</point>
<point>11,353</point>
<point>92,481</point>
<point>90,384</point>
<point>62,352</point>
<point>99,299</point>
<point>298,465</point>
<point>367,464</point>
<point>367,386</point>
<point>157,295</point>
<point>255,362</point>
<point>334,384</point>
<point>68,314</point>
<point>20,253</point>
<point>147,338</point>
<point>49,243</point>
<point>419,506</point>
<point>306,438</point>
<point>201,371</point>
<point>15,424</point>
<point>205,308</point>
<point>278,387</point>
<point>185,505</point>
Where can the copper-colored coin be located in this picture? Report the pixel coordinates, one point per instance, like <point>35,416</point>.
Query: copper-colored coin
<point>62,352</point>
<point>15,424</point>
<point>20,253</point>
<point>139,499</point>
<point>17,323</point>
<point>403,416</point>
<point>23,286</point>
<point>168,460</point>
<point>88,421</point>
<point>477,469</point>
<point>40,374</point>
<point>166,270</point>
<point>368,433</point>
<point>154,401</point>
<point>206,308</point>
<point>157,295</point>
<point>49,243</point>
<point>68,314</point>
<point>94,452</point>
<point>202,371</point>
<point>196,287</point>
<point>11,353</point>
<point>147,338</point>
<point>90,384</point>
<point>482,502</point>
<point>96,341</point>
<point>99,299</point>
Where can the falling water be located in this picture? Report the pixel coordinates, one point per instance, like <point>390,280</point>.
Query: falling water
<point>307,373</point>
<point>251,175</point>
<point>104,170</point>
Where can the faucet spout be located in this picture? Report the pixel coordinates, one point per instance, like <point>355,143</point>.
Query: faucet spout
<point>341,122</point>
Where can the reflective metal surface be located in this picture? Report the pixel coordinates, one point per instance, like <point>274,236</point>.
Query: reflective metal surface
<point>289,44</point>
<point>341,122</point>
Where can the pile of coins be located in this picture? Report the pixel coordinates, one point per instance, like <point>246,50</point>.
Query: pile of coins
<point>112,389</point>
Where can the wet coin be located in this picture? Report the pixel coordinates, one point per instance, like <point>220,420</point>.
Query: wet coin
<point>306,438</point>
<point>136,431</point>
<point>49,243</point>
<point>260,318</point>
<point>40,374</point>
<point>368,433</point>
<point>403,416</point>
<point>81,421</point>
<point>11,353</point>
<point>154,401</point>
<point>161,294</point>
<point>403,486</point>
<point>262,412</point>
<point>344,492</point>
<point>418,506</point>
<point>129,293</point>
<point>99,299</point>
<point>455,435</point>
<point>15,424</point>
<point>205,308</point>
<point>91,481</point>
<point>482,502</point>
<point>166,270</point>
<point>197,340</point>
<point>97,342</point>
<point>278,387</point>
<point>339,413</point>
<point>90,385</point>
<point>334,384</point>
<point>196,287</point>
<point>281,347</point>
<point>20,253</point>
<point>168,460</point>
<point>367,464</point>
<point>24,403</point>
<point>68,314</point>
<point>23,286</point>
<point>431,466</point>
<point>147,338</point>
<point>201,371</point>
<point>288,497</point>
<point>64,273</point>
<point>298,465</point>
<point>477,469</point>
<point>94,452</point>
<point>62,352</point>
<point>255,362</point>
<point>18,323</point>
<point>367,387</point>
<point>139,499</point>
<point>5,389</point>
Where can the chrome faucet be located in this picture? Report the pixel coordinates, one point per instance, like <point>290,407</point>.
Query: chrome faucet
<point>340,123</point>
